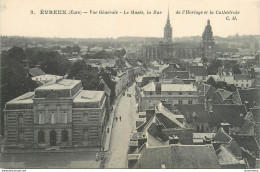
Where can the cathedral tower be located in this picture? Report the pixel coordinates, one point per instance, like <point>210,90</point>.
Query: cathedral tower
<point>208,44</point>
<point>168,30</point>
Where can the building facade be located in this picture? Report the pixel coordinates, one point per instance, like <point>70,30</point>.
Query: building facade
<point>58,114</point>
<point>151,94</point>
<point>166,49</point>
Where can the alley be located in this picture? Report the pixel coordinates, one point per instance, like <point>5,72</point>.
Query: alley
<point>121,130</point>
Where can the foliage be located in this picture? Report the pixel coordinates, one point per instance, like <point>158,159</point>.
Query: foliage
<point>221,84</point>
<point>213,67</point>
<point>14,75</point>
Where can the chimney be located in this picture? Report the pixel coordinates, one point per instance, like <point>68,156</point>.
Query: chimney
<point>158,88</point>
<point>173,140</point>
<point>141,140</point>
<point>220,71</point>
<point>225,126</point>
<point>206,140</point>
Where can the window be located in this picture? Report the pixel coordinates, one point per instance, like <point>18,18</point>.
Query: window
<point>180,102</point>
<point>41,136</point>
<point>203,78</point>
<point>246,85</point>
<point>64,118</point>
<point>20,119</point>
<point>169,93</point>
<point>85,117</point>
<point>242,85</point>
<point>190,102</point>
<point>189,92</point>
<point>21,136</point>
<point>64,136</point>
<point>41,118</point>
<point>180,93</point>
<point>151,93</point>
<point>53,118</point>
<point>85,134</point>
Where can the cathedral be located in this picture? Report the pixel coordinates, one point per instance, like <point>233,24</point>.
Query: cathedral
<point>168,49</point>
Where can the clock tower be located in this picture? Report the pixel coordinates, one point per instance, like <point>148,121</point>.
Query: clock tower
<point>208,44</point>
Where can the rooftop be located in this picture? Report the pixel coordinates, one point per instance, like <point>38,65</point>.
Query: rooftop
<point>88,96</point>
<point>179,156</point>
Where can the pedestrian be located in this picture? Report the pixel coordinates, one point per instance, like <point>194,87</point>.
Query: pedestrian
<point>97,156</point>
<point>120,118</point>
<point>116,119</point>
<point>107,129</point>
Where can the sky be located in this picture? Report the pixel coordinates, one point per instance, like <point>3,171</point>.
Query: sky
<point>16,18</point>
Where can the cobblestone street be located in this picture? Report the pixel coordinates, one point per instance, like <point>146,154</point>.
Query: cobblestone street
<point>116,157</point>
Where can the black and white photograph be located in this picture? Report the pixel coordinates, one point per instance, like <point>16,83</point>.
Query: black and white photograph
<point>130,84</point>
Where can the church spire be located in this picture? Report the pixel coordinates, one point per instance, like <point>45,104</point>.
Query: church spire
<point>168,29</point>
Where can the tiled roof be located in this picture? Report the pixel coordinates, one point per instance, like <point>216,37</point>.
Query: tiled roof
<point>178,74</point>
<point>224,94</point>
<point>36,71</point>
<point>179,156</point>
<point>233,114</point>
<point>226,140</point>
<point>246,127</point>
<point>198,70</point>
<point>222,137</point>
<point>247,142</point>
<point>189,109</point>
<point>226,157</point>
<point>256,113</point>
<point>250,95</point>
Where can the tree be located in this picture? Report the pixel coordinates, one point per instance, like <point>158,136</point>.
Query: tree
<point>211,81</point>
<point>235,69</point>
<point>14,76</point>
<point>213,67</point>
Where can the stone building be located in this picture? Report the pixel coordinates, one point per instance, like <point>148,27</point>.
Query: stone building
<point>167,49</point>
<point>151,94</point>
<point>57,114</point>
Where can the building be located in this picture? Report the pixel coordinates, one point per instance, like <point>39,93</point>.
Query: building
<point>57,114</point>
<point>167,49</point>
<point>243,81</point>
<point>208,44</point>
<point>151,94</point>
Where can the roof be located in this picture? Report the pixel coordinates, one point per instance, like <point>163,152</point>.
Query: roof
<point>178,87</point>
<point>149,87</point>
<point>88,96</point>
<point>230,113</point>
<point>171,68</point>
<point>147,79</point>
<point>179,156</point>
<point>226,140</point>
<point>250,96</point>
<point>36,71</point>
<point>198,70</point>
<point>224,94</point>
<point>178,74</point>
<point>246,127</point>
<point>248,142</point>
<point>190,109</point>
<point>226,157</point>
<point>63,84</point>
<point>241,77</point>
<point>23,99</point>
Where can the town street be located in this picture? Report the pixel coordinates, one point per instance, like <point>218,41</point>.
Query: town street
<point>117,155</point>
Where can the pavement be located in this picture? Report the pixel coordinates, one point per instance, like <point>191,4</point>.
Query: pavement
<point>117,155</point>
